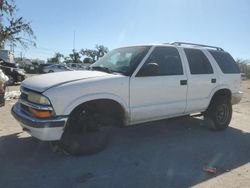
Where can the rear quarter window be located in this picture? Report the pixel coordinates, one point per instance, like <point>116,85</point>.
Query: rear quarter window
<point>225,62</point>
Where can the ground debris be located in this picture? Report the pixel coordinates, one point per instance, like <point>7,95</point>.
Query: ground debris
<point>210,169</point>
<point>10,95</point>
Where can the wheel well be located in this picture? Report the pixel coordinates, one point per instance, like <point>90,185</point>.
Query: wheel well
<point>222,92</point>
<point>107,107</point>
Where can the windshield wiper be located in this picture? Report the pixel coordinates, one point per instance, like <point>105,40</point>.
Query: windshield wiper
<point>103,69</point>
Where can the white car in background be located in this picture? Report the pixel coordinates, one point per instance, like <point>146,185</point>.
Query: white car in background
<point>56,68</point>
<point>76,66</point>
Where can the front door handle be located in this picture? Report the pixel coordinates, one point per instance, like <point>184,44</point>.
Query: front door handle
<point>183,82</point>
<point>213,80</point>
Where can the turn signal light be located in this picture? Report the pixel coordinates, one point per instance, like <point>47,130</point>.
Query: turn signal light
<point>41,113</point>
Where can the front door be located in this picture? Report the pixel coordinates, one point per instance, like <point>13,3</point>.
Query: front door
<point>162,94</point>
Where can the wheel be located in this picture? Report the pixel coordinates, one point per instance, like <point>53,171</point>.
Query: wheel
<point>219,113</point>
<point>50,71</point>
<point>84,133</point>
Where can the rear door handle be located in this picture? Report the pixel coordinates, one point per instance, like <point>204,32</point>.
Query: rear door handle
<point>183,82</point>
<point>213,80</point>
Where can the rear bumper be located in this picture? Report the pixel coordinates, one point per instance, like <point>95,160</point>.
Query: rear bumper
<point>42,129</point>
<point>236,97</point>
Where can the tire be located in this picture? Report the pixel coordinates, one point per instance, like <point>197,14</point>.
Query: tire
<point>219,113</point>
<point>50,71</point>
<point>84,133</point>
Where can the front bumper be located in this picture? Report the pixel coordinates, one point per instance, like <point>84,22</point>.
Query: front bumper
<point>236,97</point>
<point>42,129</point>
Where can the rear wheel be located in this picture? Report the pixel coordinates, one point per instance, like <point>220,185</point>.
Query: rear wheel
<point>219,113</point>
<point>85,132</point>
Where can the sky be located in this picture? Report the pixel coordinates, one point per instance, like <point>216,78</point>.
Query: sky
<point>117,23</point>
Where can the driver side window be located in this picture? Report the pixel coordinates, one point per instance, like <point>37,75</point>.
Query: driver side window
<point>168,61</point>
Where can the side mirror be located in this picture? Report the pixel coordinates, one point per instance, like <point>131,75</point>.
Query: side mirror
<point>151,69</point>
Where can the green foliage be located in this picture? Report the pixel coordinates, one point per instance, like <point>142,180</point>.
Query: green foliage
<point>56,58</point>
<point>95,54</point>
<point>244,66</point>
<point>13,29</point>
<point>75,57</point>
<point>89,55</point>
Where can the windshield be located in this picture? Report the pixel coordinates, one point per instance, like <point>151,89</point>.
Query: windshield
<point>121,60</point>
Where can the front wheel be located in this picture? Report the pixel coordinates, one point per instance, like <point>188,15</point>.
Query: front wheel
<point>84,133</point>
<point>219,113</point>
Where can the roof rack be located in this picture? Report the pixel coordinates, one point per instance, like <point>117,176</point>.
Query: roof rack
<point>193,44</point>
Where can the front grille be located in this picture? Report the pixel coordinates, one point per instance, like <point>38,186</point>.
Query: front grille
<point>24,97</point>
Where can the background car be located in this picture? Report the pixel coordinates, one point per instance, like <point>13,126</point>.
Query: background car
<point>3,80</point>
<point>55,68</point>
<point>76,66</point>
<point>13,71</point>
<point>42,66</point>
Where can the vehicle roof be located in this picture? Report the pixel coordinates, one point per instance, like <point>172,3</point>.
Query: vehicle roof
<point>184,45</point>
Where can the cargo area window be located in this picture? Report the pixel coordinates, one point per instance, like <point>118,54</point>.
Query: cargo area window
<point>225,62</point>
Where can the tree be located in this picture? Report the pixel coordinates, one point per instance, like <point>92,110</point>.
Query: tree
<point>101,51</point>
<point>244,66</point>
<point>56,59</point>
<point>14,30</point>
<point>95,54</point>
<point>74,57</point>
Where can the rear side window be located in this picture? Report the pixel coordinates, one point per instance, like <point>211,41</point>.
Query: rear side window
<point>225,62</point>
<point>198,62</point>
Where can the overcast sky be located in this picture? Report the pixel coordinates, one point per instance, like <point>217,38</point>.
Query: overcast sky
<point>116,23</point>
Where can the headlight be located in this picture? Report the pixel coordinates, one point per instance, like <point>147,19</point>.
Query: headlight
<point>38,98</point>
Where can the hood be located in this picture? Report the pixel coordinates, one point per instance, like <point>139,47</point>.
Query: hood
<point>43,82</point>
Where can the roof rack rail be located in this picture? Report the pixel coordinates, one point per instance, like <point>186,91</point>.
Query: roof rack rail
<point>193,44</point>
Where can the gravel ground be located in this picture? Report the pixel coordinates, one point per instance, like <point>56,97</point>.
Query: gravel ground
<point>168,153</point>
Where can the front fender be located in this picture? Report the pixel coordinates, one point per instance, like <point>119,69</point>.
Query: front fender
<point>73,104</point>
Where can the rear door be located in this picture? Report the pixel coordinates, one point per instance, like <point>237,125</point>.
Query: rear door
<point>202,79</point>
<point>160,95</point>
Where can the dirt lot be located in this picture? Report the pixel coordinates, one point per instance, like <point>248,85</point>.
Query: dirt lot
<point>169,153</point>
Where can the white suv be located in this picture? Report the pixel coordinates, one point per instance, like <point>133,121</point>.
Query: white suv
<point>129,85</point>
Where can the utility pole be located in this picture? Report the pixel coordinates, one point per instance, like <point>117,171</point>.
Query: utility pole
<point>74,46</point>
<point>21,56</point>
<point>74,40</point>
